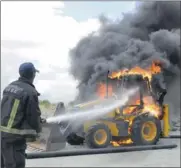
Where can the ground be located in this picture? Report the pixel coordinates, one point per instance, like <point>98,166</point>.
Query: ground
<point>157,158</point>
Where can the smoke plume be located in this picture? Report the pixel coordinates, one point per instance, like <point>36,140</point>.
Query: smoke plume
<point>152,32</point>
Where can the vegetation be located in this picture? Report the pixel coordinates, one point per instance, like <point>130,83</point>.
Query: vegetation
<point>47,106</point>
<point>45,103</point>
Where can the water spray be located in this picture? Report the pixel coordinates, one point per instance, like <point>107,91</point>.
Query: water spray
<point>97,112</point>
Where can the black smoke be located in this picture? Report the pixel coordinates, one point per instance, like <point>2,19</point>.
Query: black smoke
<point>150,33</point>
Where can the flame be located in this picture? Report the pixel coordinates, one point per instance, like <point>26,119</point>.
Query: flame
<point>148,72</point>
<point>102,90</point>
<point>149,106</point>
<point>122,142</point>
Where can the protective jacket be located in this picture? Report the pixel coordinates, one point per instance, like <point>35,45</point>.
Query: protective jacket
<point>20,113</point>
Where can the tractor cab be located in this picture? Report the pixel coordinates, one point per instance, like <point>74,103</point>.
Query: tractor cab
<point>136,102</point>
<point>127,82</point>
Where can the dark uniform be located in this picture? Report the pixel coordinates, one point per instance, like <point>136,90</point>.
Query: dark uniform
<point>20,117</point>
<point>159,86</point>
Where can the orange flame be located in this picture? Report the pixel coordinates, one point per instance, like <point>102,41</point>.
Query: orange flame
<point>122,142</point>
<point>102,90</point>
<point>148,72</point>
<point>149,106</point>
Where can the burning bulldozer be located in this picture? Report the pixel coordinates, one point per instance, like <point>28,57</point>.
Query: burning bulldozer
<point>142,121</point>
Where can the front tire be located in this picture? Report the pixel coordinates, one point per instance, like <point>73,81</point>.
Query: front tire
<point>98,136</point>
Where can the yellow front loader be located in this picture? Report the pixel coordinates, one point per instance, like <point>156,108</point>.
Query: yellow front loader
<point>139,127</point>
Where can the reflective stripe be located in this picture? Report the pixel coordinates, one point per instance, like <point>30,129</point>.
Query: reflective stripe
<point>9,128</point>
<point>16,131</point>
<point>13,113</point>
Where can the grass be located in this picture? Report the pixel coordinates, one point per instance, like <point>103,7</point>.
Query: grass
<point>50,109</point>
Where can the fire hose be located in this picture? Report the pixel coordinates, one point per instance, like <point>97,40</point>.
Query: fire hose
<point>97,151</point>
<point>37,155</point>
<point>172,137</point>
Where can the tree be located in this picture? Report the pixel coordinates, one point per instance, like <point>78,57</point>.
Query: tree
<point>45,103</point>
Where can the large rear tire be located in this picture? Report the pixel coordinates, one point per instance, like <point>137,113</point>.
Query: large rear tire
<point>145,130</point>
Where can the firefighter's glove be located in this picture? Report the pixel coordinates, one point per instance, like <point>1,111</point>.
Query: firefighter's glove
<point>43,120</point>
<point>32,138</point>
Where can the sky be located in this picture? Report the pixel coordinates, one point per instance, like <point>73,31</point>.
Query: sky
<point>43,33</point>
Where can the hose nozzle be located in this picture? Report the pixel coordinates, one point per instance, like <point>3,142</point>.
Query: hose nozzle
<point>43,120</point>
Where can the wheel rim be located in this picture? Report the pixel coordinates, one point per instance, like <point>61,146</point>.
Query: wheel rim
<point>100,136</point>
<point>149,131</point>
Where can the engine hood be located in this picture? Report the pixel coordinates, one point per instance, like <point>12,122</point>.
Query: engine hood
<point>84,105</point>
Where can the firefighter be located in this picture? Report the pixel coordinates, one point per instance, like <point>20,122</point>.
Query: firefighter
<point>159,84</point>
<point>20,117</point>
